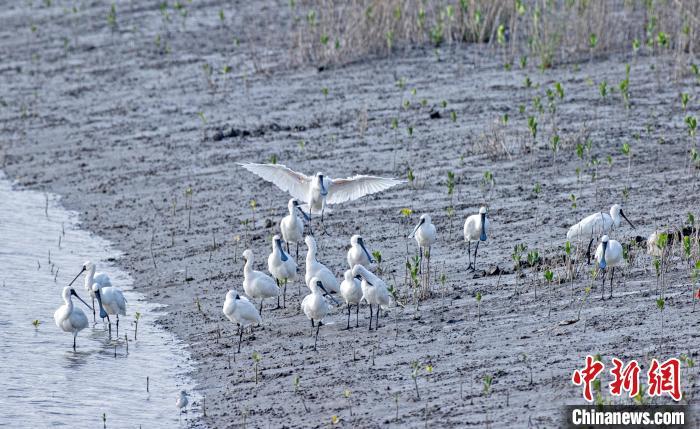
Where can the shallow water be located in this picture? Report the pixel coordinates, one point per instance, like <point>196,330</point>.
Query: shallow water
<point>45,382</point>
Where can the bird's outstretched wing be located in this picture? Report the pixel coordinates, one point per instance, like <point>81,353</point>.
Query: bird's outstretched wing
<point>355,187</point>
<point>288,180</point>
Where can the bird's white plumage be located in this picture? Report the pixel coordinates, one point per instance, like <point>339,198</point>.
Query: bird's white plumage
<point>424,232</point>
<point>351,288</point>
<point>317,269</point>
<point>291,226</point>
<point>288,180</point>
<point>472,227</point>
<point>257,284</point>
<point>91,277</point>
<point>595,225</point>
<point>68,317</point>
<point>613,252</point>
<point>374,290</point>
<point>111,298</point>
<point>319,190</point>
<point>239,310</point>
<point>314,305</point>
<point>352,188</point>
<point>182,400</point>
<point>281,269</point>
<point>358,253</point>
<point>653,248</point>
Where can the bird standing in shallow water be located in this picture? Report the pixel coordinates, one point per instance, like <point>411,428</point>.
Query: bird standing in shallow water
<point>608,255</point>
<point>91,277</point>
<point>240,311</point>
<point>282,267</point>
<point>111,301</point>
<point>68,317</point>
<point>182,402</point>
<point>475,229</point>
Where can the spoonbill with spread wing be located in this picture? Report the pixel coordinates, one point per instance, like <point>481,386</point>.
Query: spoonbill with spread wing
<point>320,190</point>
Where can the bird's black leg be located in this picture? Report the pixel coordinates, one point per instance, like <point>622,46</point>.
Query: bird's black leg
<point>357,315</point>
<point>278,295</point>
<point>297,257</point>
<point>284,296</point>
<point>475,251</point>
<point>420,263</point>
<point>588,252</point>
<point>261,302</point>
<point>312,323</point>
<point>110,326</point>
<point>94,320</point>
<point>317,328</point>
<point>117,325</point>
<point>602,287</point>
<point>469,253</point>
<point>240,338</point>
<point>287,243</point>
<point>612,276</point>
<point>74,341</point>
<point>376,319</point>
<point>370,317</point>
<point>348,327</point>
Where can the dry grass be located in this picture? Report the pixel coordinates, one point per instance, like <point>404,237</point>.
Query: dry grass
<point>546,31</point>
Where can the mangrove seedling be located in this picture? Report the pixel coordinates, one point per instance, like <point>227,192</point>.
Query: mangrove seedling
<point>137,316</point>
<point>478,306</point>
<point>36,323</point>
<point>256,361</point>
<point>415,370</point>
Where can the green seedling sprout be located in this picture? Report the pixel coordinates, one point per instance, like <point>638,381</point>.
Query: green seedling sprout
<point>415,371</point>
<point>478,306</point>
<point>256,361</point>
<point>137,316</point>
<point>36,323</point>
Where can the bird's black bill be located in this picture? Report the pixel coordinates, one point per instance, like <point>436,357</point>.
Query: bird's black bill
<point>303,213</point>
<point>103,313</point>
<point>483,227</point>
<point>325,292</point>
<point>361,242</point>
<point>603,264</point>
<point>81,271</point>
<point>628,221</point>
<point>416,228</point>
<point>283,255</point>
<point>81,300</point>
<point>324,191</point>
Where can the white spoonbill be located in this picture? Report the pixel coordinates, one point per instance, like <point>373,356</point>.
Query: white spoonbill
<point>282,267</point>
<point>317,269</point>
<point>68,317</point>
<point>91,277</point>
<point>240,311</point>
<point>596,225</point>
<point>351,291</point>
<point>374,291</point>
<point>257,284</point>
<point>111,301</point>
<point>319,190</point>
<point>608,255</point>
<point>291,226</point>
<point>425,236</point>
<point>182,402</point>
<point>475,229</point>
<point>358,253</point>
<point>315,306</point>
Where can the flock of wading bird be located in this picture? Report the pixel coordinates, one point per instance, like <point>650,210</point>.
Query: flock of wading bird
<point>310,195</point>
